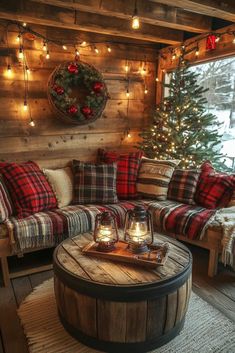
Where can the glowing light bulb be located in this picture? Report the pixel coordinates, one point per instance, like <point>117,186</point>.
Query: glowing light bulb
<point>143,71</point>
<point>217,39</point>
<point>25,106</point>
<point>127,93</point>
<point>32,123</point>
<point>109,49</point>
<point>157,79</point>
<point>129,135</point>
<point>77,53</point>
<point>18,38</point>
<point>20,53</point>
<point>9,71</point>
<point>96,50</point>
<point>197,52</point>
<point>234,40</point>
<point>44,48</point>
<point>135,23</point>
<point>84,43</point>
<point>27,69</point>
<point>173,57</point>
<point>126,68</point>
<point>145,90</point>
<point>24,24</point>
<point>48,55</point>
<point>64,47</point>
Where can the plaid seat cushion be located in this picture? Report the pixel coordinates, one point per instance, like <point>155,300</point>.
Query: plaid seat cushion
<point>47,229</point>
<point>28,188</point>
<point>214,190</point>
<point>127,171</point>
<point>154,177</point>
<point>5,202</point>
<point>174,218</point>
<point>94,183</point>
<point>183,186</point>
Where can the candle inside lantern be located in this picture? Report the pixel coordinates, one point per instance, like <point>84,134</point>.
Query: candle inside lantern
<point>105,234</point>
<point>138,231</point>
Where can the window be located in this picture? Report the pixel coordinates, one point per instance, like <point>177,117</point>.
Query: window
<point>219,77</point>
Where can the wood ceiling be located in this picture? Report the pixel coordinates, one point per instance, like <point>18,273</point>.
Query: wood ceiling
<point>161,21</point>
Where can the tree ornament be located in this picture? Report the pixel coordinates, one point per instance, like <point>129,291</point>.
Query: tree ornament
<point>72,109</point>
<point>211,42</point>
<point>73,68</point>
<point>77,91</point>
<point>86,111</point>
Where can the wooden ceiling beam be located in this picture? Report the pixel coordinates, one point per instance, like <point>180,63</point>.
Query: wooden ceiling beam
<point>47,15</point>
<point>149,12</point>
<point>215,8</point>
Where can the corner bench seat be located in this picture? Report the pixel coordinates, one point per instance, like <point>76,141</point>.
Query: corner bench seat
<point>48,229</point>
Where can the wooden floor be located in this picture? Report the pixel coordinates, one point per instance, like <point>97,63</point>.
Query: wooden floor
<point>219,291</point>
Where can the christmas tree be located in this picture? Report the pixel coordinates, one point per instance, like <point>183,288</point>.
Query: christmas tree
<point>182,128</point>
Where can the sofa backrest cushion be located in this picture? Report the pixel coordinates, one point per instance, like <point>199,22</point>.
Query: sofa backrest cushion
<point>214,189</point>
<point>61,181</point>
<point>5,202</point>
<point>154,177</point>
<point>94,183</point>
<point>28,187</point>
<point>183,184</point>
<point>127,171</point>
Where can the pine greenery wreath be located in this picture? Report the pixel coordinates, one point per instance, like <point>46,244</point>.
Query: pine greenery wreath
<point>77,91</point>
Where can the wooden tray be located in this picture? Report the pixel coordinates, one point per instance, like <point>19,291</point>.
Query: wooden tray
<point>156,256</point>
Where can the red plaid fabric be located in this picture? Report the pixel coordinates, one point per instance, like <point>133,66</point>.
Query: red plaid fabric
<point>28,187</point>
<point>127,171</point>
<point>214,190</point>
<point>5,202</point>
<point>94,183</point>
<point>183,186</point>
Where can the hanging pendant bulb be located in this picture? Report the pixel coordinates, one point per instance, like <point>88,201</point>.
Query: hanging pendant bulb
<point>109,49</point>
<point>25,106</point>
<point>84,43</point>
<point>27,69</point>
<point>77,53</point>
<point>146,90</point>
<point>127,93</point>
<point>20,53</point>
<point>44,48</point>
<point>31,123</point>
<point>197,52</point>
<point>48,55</point>
<point>18,38</point>
<point>135,21</point>
<point>96,50</point>
<point>64,47</point>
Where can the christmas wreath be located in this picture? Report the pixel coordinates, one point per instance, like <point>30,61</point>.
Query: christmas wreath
<point>77,92</point>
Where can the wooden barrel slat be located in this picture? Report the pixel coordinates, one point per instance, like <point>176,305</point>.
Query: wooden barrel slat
<point>111,321</point>
<point>120,307</point>
<point>156,308</point>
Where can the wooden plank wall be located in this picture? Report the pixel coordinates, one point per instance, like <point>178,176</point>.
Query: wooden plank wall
<point>51,142</point>
<point>224,48</point>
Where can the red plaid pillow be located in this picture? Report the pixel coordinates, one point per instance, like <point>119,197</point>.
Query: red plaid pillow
<point>214,190</point>
<point>28,187</point>
<point>127,171</point>
<point>5,202</point>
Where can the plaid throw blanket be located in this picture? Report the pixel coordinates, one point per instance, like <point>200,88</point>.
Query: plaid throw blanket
<point>46,229</point>
<point>177,218</point>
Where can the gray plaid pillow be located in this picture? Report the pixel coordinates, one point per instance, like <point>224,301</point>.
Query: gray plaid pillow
<point>94,183</point>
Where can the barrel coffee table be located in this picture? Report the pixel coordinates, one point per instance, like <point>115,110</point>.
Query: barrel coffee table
<point>118,307</point>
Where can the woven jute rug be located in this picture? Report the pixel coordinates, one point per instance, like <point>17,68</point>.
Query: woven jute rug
<point>206,330</point>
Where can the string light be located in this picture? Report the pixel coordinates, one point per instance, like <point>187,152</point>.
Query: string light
<point>9,71</point>
<point>24,24</point>
<point>64,47</point>
<point>77,53</point>
<point>126,66</point>
<point>84,43</point>
<point>18,38</point>
<point>217,39</point>
<point>44,48</point>
<point>32,123</point>
<point>20,53</point>
<point>135,21</point>
<point>146,90</point>
<point>127,93</point>
<point>48,55</point>
<point>96,50</point>
<point>157,79</point>
<point>197,51</point>
<point>109,49</point>
<point>25,106</point>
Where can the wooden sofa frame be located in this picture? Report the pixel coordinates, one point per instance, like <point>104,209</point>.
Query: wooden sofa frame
<point>211,241</point>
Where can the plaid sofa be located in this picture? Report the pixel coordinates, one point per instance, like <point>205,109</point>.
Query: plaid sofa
<point>47,229</point>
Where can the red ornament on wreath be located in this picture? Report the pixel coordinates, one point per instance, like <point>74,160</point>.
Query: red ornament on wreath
<point>86,111</point>
<point>73,68</point>
<point>72,109</point>
<point>211,42</point>
<point>58,89</point>
<point>97,87</point>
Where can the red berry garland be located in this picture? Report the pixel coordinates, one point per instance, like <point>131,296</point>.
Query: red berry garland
<point>65,85</point>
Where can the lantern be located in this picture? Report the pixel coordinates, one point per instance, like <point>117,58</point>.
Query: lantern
<point>138,230</point>
<point>105,233</point>
<point>211,42</point>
